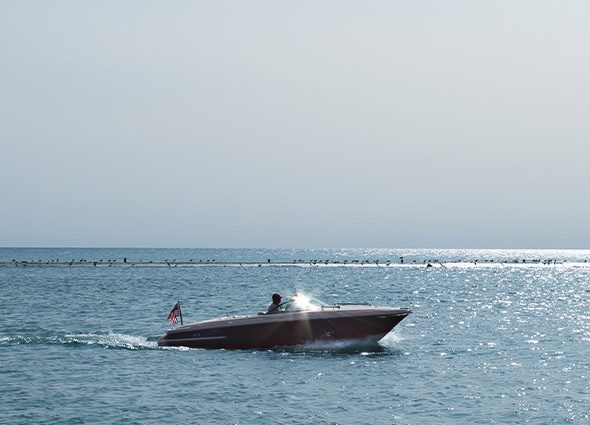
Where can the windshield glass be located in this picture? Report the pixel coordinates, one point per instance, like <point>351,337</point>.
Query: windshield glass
<point>302,302</point>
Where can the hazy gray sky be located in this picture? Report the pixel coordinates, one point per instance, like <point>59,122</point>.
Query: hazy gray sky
<point>295,124</point>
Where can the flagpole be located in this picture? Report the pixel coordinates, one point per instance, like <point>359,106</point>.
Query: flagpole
<point>180,311</point>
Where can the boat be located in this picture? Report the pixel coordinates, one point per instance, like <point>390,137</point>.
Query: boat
<point>301,320</point>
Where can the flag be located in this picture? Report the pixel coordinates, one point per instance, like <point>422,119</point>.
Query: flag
<point>174,313</point>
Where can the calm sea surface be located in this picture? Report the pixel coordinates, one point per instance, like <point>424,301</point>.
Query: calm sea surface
<point>492,339</point>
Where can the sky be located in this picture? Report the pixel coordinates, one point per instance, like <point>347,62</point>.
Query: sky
<point>402,124</point>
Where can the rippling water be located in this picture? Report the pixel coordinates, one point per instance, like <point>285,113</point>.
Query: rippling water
<point>488,341</point>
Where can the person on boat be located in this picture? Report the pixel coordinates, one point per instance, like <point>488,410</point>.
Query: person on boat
<point>274,307</point>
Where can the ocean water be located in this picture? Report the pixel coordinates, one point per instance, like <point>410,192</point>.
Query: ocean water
<point>496,337</point>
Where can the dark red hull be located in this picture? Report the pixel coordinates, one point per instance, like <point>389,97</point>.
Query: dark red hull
<point>285,329</point>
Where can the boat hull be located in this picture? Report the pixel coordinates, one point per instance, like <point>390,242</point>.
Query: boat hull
<point>287,329</point>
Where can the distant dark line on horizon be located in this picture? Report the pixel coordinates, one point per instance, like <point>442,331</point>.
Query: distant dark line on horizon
<point>286,248</point>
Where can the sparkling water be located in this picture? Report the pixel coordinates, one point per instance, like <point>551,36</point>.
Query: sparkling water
<point>496,336</point>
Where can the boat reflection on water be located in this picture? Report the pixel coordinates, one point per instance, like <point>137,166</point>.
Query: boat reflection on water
<point>302,320</point>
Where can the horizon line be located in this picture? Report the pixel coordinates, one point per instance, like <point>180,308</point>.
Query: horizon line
<point>278,248</point>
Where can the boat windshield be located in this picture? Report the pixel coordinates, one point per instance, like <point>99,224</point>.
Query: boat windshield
<point>301,302</point>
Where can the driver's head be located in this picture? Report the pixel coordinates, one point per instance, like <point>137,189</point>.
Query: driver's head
<point>276,298</point>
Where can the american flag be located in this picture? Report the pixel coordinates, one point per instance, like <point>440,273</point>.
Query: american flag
<point>174,313</point>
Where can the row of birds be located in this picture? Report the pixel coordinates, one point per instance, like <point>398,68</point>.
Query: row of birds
<point>300,261</point>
